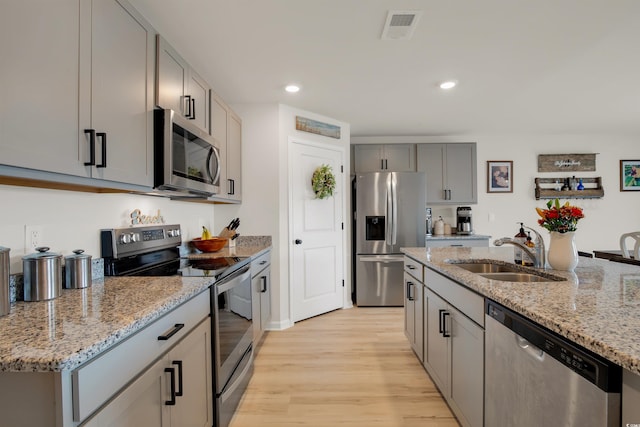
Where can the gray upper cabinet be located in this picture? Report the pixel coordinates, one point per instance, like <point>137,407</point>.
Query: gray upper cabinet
<point>451,172</point>
<point>72,72</point>
<point>226,128</point>
<point>180,88</point>
<point>385,157</point>
<point>118,68</point>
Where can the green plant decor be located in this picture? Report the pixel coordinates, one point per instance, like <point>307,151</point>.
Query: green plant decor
<point>323,182</point>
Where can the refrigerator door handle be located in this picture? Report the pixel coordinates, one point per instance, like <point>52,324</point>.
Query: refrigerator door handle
<point>394,209</point>
<point>388,208</point>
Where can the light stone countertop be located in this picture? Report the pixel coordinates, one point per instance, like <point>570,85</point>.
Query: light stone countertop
<point>63,333</point>
<point>458,236</point>
<point>598,307</point>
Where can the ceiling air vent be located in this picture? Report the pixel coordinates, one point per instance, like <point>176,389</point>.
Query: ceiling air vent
<point>400,24</point>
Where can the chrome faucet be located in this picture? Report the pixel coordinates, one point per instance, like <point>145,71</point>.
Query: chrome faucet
<point>538,257</point>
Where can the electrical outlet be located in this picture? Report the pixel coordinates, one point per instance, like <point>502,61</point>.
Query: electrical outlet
<point>33,237</point>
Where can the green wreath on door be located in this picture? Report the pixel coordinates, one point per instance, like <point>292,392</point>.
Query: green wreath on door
<point>323,182</point>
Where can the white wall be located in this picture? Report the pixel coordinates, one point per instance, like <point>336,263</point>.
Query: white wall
<point>72,220</point>
<point>496,214</point>
<point>266,129</point>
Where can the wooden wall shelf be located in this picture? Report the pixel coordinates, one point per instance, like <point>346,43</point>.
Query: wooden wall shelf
<point>545,189</point>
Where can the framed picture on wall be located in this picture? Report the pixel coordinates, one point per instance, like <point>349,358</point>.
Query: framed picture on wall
<point>499,176</point>
<point>629,175</point>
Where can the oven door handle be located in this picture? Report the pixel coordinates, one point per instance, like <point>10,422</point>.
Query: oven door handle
<point>235,279</point>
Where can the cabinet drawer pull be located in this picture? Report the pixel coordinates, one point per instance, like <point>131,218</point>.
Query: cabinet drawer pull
<point>178,363</point>
<point>263,262</point>
<point>103,137</point>
<point>264,284</point>
<point>172,401</point>
<point>411,267</point>
<point>171,332</point>
<point>92,147</point>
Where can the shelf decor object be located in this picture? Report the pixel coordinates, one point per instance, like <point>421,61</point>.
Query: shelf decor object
<point>549,188</point>
<point>629,175</point>
<point>566,162</point>
<point>499,176</point>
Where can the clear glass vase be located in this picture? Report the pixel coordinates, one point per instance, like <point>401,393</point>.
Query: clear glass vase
<point>563,254</point>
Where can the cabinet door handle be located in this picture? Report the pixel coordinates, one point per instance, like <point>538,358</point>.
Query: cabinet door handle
<point>232,186</point>
<point>171,332</point>
<point>92,147</point>
<point>264,284</point>
<point>440,320</point>
<point>193,109</point>
<point>386,164</point>
<point>187,107</point>
<point>178,363</point>
<point>381,164</point>
<point>172,373</point>
<point>444,324</point>
<point>103,137</point>
<point>409,296</point>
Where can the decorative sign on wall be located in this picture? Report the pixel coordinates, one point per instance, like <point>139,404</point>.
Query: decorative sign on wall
<point>138,218</point>
<point>566,162</point>
<point>319,128</point>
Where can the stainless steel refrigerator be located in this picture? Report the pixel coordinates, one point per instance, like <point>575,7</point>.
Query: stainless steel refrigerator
<point>389,215</point>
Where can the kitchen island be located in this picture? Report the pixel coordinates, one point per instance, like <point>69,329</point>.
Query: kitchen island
<point>597,307</point>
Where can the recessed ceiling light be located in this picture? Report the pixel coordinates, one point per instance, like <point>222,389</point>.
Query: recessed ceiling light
<point>450,84</point>
<point>292,88</point>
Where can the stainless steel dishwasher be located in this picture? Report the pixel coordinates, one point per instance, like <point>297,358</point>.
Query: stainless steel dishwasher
<point>534,377</point>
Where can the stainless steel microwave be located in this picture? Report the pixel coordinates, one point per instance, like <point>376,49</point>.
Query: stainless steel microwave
<point>186,158</point>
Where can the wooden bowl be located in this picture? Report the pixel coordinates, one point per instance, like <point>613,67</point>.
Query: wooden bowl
<point>209,245</point>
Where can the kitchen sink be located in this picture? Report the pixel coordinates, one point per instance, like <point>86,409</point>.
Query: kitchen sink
<point>485,267</point>
<point>507,272</point>
<point>521,277</point>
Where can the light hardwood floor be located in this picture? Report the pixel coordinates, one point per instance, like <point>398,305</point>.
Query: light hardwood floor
<point>349,367</point>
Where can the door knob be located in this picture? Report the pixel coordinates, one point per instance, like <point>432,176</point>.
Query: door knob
<point>298,242</point>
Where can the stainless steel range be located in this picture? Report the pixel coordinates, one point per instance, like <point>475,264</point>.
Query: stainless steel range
<point>155,251</point>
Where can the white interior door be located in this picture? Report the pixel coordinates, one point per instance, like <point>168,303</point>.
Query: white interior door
<point>317,235</point>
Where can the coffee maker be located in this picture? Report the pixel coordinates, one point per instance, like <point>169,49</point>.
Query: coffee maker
<point>463,214</point>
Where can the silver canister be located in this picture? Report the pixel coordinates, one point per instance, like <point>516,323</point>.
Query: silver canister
<point>5,304</point>
<point>42,275</point>
<point>77,270</point>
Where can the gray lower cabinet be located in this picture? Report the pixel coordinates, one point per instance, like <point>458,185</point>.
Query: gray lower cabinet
<point>127,385</point>
<point>149,402</point>
<point>261,295</point>
<point>453,341</point>
<point>413,310</point>
<point>78,94</point>
<point>451,172</point>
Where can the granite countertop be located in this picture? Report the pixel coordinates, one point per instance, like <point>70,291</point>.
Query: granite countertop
<point>65,332</point>
<point>597,307</point>
<point>457,236</point>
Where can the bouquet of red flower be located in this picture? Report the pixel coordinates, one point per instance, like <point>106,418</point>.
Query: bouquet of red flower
<point>559,218</point>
